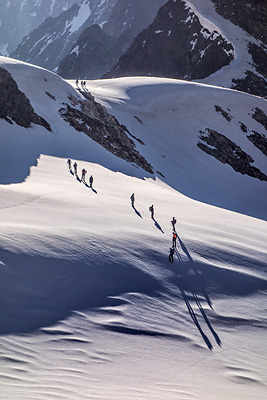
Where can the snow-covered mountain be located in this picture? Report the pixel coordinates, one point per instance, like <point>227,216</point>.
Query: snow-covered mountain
<point>57,38</point>
<point>222,42</point>
<point>90,306</point>
<point>190,48</point>
<point>228,131</point>
<point>193,40</point>
<point>95,53</point>
<point>53,39</point>
<point>19,17</point>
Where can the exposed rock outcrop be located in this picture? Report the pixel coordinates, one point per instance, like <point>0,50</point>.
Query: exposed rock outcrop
<point>259,57</point>
<point>227,152</point>
<point>260,117</point>
<point>15,105</point>
<point>91,118</point>
<point>260,141</point>
<point>252,84</point>
<point>224,113</point>
<point>249,15</point>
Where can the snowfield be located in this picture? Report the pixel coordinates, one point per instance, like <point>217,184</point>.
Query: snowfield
<point>90,306</point>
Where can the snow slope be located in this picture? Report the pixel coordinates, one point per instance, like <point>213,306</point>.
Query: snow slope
<point>168,116</point>
<point>90,307</point>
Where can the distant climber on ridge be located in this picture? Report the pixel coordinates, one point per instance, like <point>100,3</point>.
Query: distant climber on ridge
<point>151,209</point>
<point>69,163</point>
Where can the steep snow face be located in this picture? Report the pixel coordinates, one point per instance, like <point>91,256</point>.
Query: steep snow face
<point>78,21</point>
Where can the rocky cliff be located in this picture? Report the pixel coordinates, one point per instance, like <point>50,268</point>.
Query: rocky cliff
<point>252,17</point>
<point>15,107</point>
<point>176,45</point>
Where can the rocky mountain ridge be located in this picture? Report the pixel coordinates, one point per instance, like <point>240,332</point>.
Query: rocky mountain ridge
<point>18,18</point>
<point>94,53</point>
<point>50,42</point>
<point>175,45</point>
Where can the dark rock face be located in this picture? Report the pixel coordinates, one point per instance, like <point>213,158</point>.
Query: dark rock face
<point>224,113</point>
<point>91,118</point>
<point>94,53</point>
<point>260,117</point>
<point>175,45</point>
<point>260,141</point>
<point>227,152</point>
<point>87,59</point>
<point>259,57</point>
<point>252,84</point>
<point>15,105</point>
<point>131,15</point>
<point>252,17</point>
<point>249,15</point>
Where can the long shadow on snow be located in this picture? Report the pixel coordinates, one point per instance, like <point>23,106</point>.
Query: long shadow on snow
<point>37,291</point>
<point>157,225</point>
<point>194,286</point>
<point>137,212</point>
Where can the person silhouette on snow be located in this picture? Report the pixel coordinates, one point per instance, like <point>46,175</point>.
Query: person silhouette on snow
<point>174,238</point>
<point>151,209</point>
<point>132,199</point>
<point>69,163</point>
<point>173,222</point>
<point>171,254</point>
<point>75,167</point>
<point>91,179</point>
<point>84,172</point>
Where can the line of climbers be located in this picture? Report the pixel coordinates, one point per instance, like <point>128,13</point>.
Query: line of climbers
<point>83,84</point>
<point>132,197</point>
<point>174,233</point>
<point>84,172</point>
